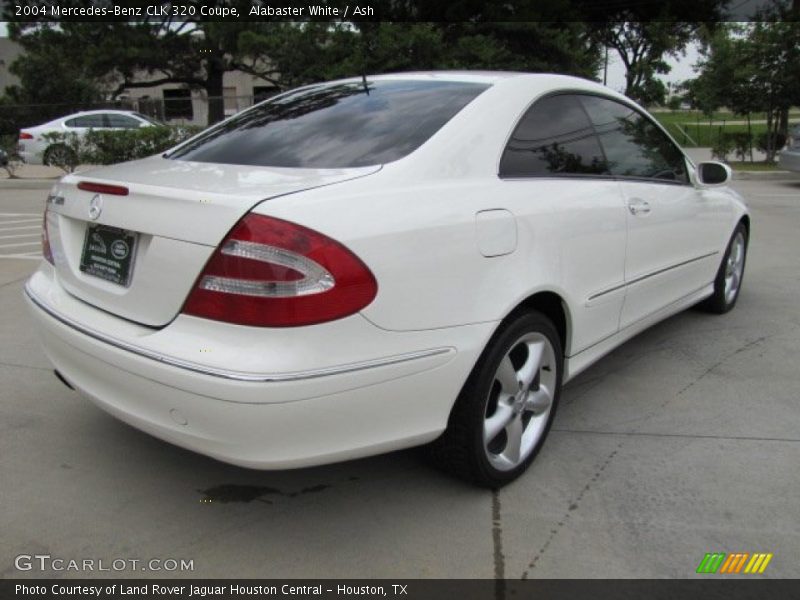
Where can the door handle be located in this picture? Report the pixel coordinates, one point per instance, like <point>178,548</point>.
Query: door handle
<point>639,207</point>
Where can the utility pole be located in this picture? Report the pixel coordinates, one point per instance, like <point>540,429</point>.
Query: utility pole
<point>605,66</point>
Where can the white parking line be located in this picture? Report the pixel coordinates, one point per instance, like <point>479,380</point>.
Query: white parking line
<point>31,256</point>
<point>20,244</point>
<point>20,214</point>
<point>18,228</point>
<point>20,221</point>
<point>19,235</point>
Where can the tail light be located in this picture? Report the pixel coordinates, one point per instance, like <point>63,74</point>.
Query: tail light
<point>46,251</point>
<point>24,135</point>
<point>272,273</point>
<point>103,188</point>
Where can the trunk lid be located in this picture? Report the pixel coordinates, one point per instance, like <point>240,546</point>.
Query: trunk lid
<point>177,213</point>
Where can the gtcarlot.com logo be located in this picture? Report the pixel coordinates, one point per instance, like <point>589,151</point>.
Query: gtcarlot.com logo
<point>46,562</point>
<point>734,563</point>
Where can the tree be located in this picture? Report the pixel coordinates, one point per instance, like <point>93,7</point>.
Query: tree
<point>646,34</point>
<point>197,53</point>
<point>752,68</point>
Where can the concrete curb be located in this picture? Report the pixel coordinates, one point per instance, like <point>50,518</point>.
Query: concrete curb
<point>27,184</point>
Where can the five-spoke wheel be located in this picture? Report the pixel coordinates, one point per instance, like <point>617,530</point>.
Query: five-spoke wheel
<point>505,408</point>
<point>519,401</point>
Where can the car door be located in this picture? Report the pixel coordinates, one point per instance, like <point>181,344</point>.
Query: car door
<point>672,250</point>
<point>557,183</point>
<point>84,123</point>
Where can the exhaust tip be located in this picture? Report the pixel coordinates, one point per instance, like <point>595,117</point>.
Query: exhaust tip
<point>62,380</point>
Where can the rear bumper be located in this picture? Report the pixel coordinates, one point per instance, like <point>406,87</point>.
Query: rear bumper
<point>31,157</point>
<point>397,393</point>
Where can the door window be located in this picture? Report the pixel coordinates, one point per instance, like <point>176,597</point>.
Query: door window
<point>634,146</point>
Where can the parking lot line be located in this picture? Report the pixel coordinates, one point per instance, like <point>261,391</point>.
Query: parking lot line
<point>20,214</point>
<point>19,228</point>
<point>31,256</point>
<point>21,221</point>
<point>20,244</point>
<point>19,235</point>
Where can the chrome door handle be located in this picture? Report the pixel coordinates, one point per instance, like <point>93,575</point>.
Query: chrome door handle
<point>639,207</point>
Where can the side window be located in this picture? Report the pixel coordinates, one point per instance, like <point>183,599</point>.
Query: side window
<point>86,121</point>
<point>122,121</point>
<point>633,145</point>
<point>554,137</point>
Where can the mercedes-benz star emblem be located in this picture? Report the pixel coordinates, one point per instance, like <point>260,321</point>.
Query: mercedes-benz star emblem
<point>95,207</point>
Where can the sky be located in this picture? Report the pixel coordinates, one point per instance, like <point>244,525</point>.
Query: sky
<point>681,67</point>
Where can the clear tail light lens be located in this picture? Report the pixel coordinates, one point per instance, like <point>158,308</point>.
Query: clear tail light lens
<point>272,273</point>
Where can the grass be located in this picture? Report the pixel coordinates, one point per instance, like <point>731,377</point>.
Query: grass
<point>705,131</point>
<point>738,165</point>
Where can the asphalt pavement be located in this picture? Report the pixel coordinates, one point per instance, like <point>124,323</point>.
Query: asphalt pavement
<point>684,441</point>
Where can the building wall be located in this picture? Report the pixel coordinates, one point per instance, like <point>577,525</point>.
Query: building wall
<point>240,91</point>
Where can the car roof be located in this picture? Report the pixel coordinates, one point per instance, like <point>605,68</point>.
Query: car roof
<point>496,78</point>
<point>99,111</point>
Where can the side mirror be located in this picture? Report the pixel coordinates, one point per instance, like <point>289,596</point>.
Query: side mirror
<point>713,173</point>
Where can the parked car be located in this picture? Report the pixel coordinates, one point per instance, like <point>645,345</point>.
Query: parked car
<point>790,155</point>
<point>36,149</point>
<point>372,264</point>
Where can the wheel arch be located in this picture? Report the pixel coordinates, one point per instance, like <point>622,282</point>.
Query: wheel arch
<point>745,220</point>
<point>554,307</point>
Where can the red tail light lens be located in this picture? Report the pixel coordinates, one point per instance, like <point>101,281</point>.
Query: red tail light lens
<point>24,135</point>
<point>103,188</point>
<point>272,273</point>
<point>46,252</point>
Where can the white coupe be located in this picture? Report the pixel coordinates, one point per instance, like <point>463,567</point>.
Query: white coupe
<point>377,263</point>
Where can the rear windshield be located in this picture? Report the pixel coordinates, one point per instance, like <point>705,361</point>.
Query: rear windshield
<point>334,126</point>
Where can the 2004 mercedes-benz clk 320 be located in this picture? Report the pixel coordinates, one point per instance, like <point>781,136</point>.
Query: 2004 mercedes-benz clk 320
<point>371,264</point>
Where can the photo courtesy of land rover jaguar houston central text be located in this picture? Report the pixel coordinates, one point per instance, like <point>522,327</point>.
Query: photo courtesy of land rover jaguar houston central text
<point>376,263</point>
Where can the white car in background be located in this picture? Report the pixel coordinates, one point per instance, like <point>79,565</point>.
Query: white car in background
<point>371,264</point>
<point>36,149</point>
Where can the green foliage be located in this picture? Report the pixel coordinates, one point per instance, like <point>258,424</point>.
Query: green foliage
<point>749,68</point>
<point>80,58</point>
<point>765,141</point>
<point>643,46</point>
<point>8,144</point>
<point>104,147</point>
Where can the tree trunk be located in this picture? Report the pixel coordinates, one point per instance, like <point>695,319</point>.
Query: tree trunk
<point>214,91</point>
<point>783,124</point>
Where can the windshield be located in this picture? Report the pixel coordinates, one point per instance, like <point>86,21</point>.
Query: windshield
<point>339,125</point>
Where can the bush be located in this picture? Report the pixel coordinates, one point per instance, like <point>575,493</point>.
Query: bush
<point>722,148</point>
<point>105,147</point>
<point>737,142</point>
<point>762,141</point>
<point>110,146</point>
<point>8,145</point>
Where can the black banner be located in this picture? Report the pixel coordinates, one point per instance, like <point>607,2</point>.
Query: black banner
<point>473,11</point>
<point>735,588</point>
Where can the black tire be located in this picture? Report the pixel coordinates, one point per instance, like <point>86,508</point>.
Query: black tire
<point>59,155</point>
<point>721,301</point>
<point>461,449</point>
